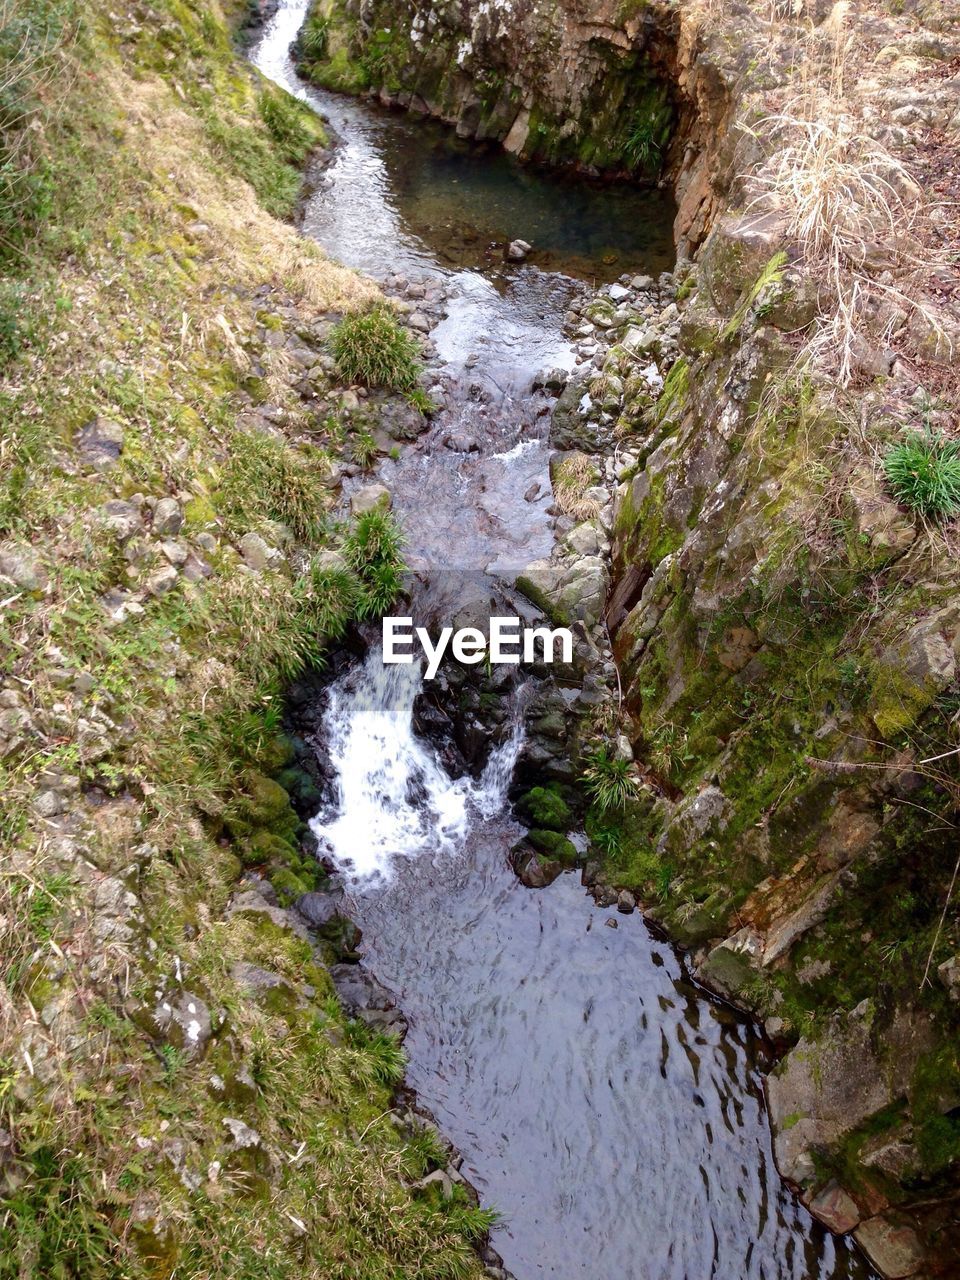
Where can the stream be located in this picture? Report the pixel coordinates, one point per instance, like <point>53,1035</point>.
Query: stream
<point>604,1105</point>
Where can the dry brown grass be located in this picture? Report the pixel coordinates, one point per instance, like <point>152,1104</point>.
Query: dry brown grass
<point>572,477</point>
<point>250,244</point>
<point>850,205</point>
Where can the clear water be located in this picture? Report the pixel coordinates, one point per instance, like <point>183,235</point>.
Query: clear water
<point>610,1111</point>
<point>406,194</point>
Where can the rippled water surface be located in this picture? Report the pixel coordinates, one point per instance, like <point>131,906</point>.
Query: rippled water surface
<point>611,1112</point>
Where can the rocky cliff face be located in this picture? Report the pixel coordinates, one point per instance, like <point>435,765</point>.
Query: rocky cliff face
<point>606,86</point>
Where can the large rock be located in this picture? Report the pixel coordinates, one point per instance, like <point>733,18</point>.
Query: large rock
<point>371,497</point>
<point>100,443</point>
<point>567,591</point>
<point>914,670</point>
<point>184,1022</point>
<point>825,1088</point>
<point>23,566</point>
<point>894,1250</point>
<point>835,1209</point>
<point>167,517</point>
<point>880,531</point>
<point>573,424</point>
<point>367,999</point>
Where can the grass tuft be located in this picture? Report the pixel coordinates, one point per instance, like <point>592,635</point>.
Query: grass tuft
<point>608,780</point>
<point>374,349</point>
<point>264,479</point>
<point>923,472</point>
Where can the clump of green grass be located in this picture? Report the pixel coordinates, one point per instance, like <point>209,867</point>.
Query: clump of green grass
<point>923,472</point>
<point>608,780</point>
<point>264,479</point>
<point>315,36</point>
<point>31,34</point>
<point>363,449</point>
<point>293,126</point>
<point>254,157</point>
<point>374,349</point>
<point>373,551</point>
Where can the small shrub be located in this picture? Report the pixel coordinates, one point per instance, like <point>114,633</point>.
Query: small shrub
<point>642,148</point>
<point>363,449</point>
<point>12,329</point>
<point>608,780</point>
<point>372,348</point>
<point>315,36</point>
<point>331,597</point>
<point>923,472</point>
<point>572,476</point>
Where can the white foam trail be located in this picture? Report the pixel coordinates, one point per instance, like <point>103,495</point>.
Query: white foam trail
<point>517,451</point>
<point>394,800</point>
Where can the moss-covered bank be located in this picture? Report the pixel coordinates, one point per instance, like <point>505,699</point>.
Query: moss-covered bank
<point>180,1092</point>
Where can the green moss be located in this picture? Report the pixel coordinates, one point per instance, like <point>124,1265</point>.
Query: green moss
<point>288,885</point>
<point>545,807</point>
<point>897,699</point>
<point>554,844</point>
<point>935,1104</point>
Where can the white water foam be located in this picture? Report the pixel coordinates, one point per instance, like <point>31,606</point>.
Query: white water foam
<point>394,799</point>
<point>518,450</point>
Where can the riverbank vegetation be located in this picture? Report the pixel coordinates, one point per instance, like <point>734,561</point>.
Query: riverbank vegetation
<point>180,1092</point>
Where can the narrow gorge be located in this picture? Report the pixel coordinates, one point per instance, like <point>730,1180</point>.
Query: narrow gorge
<point>634,320</point>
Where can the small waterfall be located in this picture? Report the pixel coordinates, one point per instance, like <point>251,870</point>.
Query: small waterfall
<point>394,799</point>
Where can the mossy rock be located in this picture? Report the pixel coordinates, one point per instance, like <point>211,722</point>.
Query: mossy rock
<point>266,848</point>
<point>199,513</point>
<point>302,789</point>
<point>706,920</point>
<point>553,844</point>
<point>545,807</point>
<point>265,804</point>
<point>288,886</point>
<point>727,971</point>
<point>274,754</point>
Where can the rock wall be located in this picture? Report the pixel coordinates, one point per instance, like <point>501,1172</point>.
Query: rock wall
<point>606,86</point>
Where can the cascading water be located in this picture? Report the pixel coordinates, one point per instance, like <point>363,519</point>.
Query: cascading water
<point>603,1105</point>
<point>393,799</point>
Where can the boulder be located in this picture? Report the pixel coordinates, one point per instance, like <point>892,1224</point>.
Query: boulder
<point>367,999</point>
<point>880,531</point>
<point>949,975</point>
<point>517,251</point>
<point>257,553</point>
<point>827,1087</point>
<point>535,870</point>
<point>100,443</point>
<point>894,1250</point>
<point>184,1022</point>
<point>167,518</point>
<point>371,497</point>
<point>23,566</point>
<point>835,1209</point>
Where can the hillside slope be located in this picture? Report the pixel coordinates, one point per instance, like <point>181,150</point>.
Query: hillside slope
<point>180,1092</point>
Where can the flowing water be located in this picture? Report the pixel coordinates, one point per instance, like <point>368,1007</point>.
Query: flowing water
<point>609,1110</point>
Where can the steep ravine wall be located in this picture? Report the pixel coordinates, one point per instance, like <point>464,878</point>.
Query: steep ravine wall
<point>788,637</point>
<point>605,86</point>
